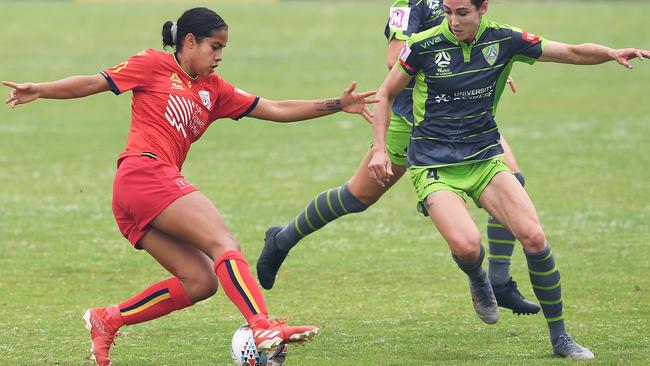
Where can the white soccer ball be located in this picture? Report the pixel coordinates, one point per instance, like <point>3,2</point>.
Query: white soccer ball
<point>244,352</point>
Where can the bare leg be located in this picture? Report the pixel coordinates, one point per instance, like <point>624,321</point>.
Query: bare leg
<point>356,196</point>
<point>449,213</point>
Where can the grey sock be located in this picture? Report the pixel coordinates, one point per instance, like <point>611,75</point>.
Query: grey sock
<point>545,278</point>
<point>473,270</point>
<point>325,208</point>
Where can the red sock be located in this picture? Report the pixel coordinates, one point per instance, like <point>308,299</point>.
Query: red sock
<point>155,301</point>
<point>240,286</point>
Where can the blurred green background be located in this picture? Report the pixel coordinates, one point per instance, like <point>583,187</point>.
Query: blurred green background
<point>381,285</point>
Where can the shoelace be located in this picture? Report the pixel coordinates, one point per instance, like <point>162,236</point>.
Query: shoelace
<point>484,288</point>
<point>279,322</point>
<point>567,341</point>
<point>513,286</point>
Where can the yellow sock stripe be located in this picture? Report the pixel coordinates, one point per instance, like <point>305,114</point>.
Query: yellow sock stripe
<point>543,273</point>
<point>307,218</point>
<point>242,284</point>
<point>551,320</point>
<point>550,253</point>
<point>494,256</point>
<point>147,305</point>
<point>318,211</point>
<point>547,288</point>
<point>499,241</point>
<point>329,203</point>
<point>544,302</point>
<point>295,223</point>
<point>341,202</point>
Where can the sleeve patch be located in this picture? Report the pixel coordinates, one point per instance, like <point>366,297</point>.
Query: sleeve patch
<point>406,52</point>
<point>529,37</point>
<point>399,18</point>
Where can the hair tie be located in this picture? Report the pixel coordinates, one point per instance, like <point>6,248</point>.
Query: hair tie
<point>174,30</point>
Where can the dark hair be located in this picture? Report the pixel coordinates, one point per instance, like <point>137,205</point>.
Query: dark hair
<point>478,3</point>
<point>201,22</point>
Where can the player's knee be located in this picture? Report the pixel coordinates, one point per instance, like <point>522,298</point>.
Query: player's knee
<point>218,245</point>
<point>533,239</point>
<point>202,284</point>
<point>467,248</point>
<point>367,199</point>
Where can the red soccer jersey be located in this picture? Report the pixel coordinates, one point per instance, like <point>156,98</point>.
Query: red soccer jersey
<point>170,110</point>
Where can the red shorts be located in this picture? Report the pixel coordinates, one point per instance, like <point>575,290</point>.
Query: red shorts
<point>142,189</point>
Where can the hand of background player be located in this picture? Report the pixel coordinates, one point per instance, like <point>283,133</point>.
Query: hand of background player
<point>624,55</point>
<point>380,166</point>
<point>22,93</point>
<point>357,102</point>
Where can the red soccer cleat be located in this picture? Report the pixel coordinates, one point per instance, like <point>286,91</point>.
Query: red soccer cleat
<point>271,333</point>
<point>102,333</point>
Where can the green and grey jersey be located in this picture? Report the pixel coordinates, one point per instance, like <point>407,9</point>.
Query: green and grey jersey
<point>408,17</point>
<point>457,88</point>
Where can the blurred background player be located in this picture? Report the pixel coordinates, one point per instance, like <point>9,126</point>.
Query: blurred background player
<point>361,191</point>
<point>175,98</point>
<point>455,149</point>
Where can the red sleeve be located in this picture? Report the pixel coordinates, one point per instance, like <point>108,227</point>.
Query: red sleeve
<point>232,102</point>
<point>131,74</point>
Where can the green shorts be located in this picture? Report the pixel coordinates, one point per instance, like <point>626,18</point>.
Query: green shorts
<point>398,137</point>
<point>466,180</point>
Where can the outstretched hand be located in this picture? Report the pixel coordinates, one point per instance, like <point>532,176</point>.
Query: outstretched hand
<point>624,55</point>
<point>22,93</point>
<point>357,102</point>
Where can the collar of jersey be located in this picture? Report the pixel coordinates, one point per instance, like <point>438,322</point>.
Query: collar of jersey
<point>452,37</point>
<point>182,69</point>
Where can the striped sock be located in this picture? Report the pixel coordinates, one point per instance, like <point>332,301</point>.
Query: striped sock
<point>325,208</point>
<point>240,286</point>
<point>501,244</point>
<point>473,270</point>
<point>545,278</point>
<point>155,301</point>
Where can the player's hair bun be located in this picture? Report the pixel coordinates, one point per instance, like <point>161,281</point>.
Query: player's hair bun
<point>167,37</point>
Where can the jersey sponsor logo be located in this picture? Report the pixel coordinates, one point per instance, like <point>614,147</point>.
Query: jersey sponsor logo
<point>120,67</point>
<point>399,18</point>
<point>179,112</point>
<point>491,53</point>
<point>434,4</point>
<point>472,94</point>
<point>177,83</point>
<point>431,42</point>
<point>205,98</point>
<point>529,37</point>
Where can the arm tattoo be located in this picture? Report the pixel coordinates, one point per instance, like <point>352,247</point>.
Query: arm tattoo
<point>328,105</point>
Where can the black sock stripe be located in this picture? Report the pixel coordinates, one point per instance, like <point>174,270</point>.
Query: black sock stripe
<point>145,300</point>
<point>233,278</point>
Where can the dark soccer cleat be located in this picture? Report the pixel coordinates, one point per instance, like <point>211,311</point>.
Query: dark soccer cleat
<point>509,297</point>
<point>483,300</point>
<point>565,346</point>
<point>270,259</point>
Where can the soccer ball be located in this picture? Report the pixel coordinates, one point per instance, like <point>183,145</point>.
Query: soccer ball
<point>244,352</point>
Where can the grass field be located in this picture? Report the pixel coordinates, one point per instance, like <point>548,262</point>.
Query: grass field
<point>381,285</point>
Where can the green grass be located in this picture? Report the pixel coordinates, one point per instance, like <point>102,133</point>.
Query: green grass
<point>381,285</point>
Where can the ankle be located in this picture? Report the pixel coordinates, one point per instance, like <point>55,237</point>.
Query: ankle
<point>259,320</point>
